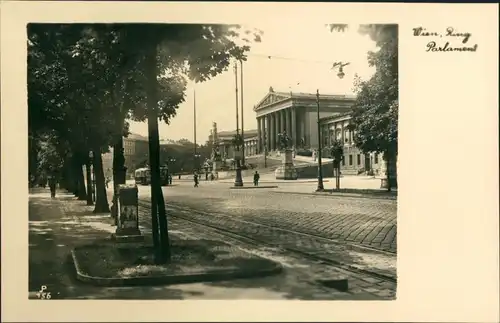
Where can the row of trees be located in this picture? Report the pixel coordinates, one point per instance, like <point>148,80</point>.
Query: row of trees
<point>375,112</point>
<point>85,81</point>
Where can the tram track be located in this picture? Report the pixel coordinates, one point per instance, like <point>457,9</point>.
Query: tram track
<point>250,238</point>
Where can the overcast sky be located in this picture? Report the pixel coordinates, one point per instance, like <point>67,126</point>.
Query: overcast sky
<point>301,64</point>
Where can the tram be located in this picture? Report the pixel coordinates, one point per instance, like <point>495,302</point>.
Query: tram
<point>142,176</point>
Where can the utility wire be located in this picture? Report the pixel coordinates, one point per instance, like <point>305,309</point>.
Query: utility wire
<point>271,57</point>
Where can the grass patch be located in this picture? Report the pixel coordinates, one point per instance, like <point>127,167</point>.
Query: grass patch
<point>189,257</point>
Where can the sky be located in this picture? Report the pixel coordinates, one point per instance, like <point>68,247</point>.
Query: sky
<point>301,60</point>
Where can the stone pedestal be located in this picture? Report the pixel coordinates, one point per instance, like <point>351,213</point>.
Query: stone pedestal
<point>286,170</point>
<point>127,229</point>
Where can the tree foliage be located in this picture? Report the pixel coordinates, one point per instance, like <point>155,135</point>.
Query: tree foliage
<point>375,111</point>
<point>86,80</point>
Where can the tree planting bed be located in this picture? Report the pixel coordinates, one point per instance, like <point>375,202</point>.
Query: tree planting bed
<point>192,261</point>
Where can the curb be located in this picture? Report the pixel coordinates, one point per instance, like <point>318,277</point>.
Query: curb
<point>335,194</point>
<point>252,187</point>
<point>292,181</point>
<point>227,274</point>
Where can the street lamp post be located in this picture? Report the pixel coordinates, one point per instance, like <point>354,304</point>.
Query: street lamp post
<point>238,181</point>
<point>196,161</point>
<point>320,168</point>
<point>242,118</point>
<point>265,148</point>
<point>340,75</point>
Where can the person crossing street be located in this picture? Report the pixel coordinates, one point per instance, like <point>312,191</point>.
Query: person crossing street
<point>196,179</point>
<point>256,178</point>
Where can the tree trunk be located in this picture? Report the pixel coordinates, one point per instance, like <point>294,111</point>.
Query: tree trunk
<point>101,199</point>
<point>66,175</point>
<point>389,160</point>
<point>119,172</point>
<point>157,203</point>
<point>89,184</point>
<point>82,194</point>
<point>74,176</point>
<point>337,177</point>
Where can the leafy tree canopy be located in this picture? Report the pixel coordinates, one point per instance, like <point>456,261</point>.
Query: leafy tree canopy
<point>375,111</point>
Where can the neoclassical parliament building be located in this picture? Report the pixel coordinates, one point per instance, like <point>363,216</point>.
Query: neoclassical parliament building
<point>297,114</point>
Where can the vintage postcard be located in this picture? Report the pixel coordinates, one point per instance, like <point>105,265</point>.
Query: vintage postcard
<point>243,153</point>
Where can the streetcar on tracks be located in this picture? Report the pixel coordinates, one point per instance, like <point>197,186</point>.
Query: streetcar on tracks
<point>142,176</point>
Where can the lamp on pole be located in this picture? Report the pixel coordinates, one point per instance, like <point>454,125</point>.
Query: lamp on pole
<point>238,181</point>
<point>242,129</point>
<point>340,75</point>
<point>320,168</point>
<point>265,148</point>
<point>194,130</point>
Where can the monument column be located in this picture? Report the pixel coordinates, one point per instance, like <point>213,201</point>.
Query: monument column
<point>294,127</point>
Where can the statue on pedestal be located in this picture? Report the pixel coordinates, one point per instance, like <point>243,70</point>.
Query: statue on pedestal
<point>286,170</point>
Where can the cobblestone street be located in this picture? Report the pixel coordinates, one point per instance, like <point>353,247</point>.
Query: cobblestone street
<point>369,222</point>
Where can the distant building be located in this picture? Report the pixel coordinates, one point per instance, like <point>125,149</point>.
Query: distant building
<point>335,128</point>
<point>135,150</point>
<point>226,148</point>
<point>297,113</point>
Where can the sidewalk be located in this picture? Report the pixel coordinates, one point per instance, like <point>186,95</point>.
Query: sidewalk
<point>55,227</point>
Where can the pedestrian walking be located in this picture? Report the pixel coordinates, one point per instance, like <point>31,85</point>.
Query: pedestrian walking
<point>196,179</point>
<point>52,186</point>
<point>107,182</point>
<point>170,179</point>
<point>256,178</point>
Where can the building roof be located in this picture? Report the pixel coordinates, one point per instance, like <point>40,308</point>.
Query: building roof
<point>134,136</point>
<point>336,116</point>
<point>277,96</point>
<point>246,133</point>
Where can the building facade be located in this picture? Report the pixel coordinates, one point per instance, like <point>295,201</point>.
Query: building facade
<point>336,128</point>
<point>135,150</point>
<point>295,113</point>
<point>226,148</point>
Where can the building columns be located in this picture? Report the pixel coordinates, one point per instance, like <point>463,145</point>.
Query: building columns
<point>282,120</point>
<point>287,121</point>
<point>259,131</point>
<point>268,131</point>
<point>273,131</point>
<point>342,137</point>
<point>294,127</point>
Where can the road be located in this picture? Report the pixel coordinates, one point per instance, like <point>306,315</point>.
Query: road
<point>58,225</point>
<point>357,230</point>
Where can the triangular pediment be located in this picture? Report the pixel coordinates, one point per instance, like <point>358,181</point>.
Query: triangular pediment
<point>271,98</point>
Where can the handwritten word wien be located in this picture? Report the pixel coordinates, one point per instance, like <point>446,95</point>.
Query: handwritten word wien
<point>449,32</point>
